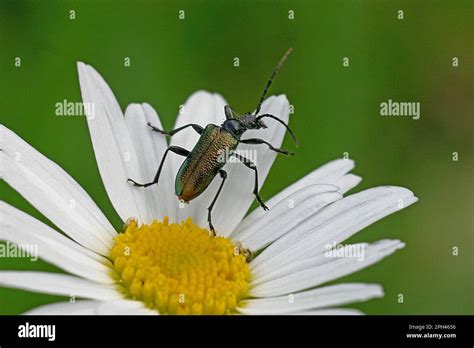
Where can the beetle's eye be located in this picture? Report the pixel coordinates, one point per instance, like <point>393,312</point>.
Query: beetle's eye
<point>233,125</point>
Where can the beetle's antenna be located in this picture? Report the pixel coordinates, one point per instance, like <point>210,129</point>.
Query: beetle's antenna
<point>278,66</point>
<point>283,123</point>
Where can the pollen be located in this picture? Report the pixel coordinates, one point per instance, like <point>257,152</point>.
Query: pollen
<point>180,269</point>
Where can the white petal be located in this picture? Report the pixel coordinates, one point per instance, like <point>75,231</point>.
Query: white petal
<point>335,223</point>
<point>320,274</point>
<point>58,284</point>
<point>150,147</point>
<point>334,295</point>
<point>355,250</point>
<point>347,182</point>
<point>113,147</point>
<point>330,173</point>
<point>237,194</point>
<point>330,311</point>
<point>36,237</point>
<point>200,108</point>
<point>124,307</point>
<point>119,307</point>
<point>54,193</point>
<point>286,215</point>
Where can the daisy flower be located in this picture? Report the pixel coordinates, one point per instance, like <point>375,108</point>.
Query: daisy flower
<point>165,261</point>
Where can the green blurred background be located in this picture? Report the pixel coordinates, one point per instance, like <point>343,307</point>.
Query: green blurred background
<point>336,108</point>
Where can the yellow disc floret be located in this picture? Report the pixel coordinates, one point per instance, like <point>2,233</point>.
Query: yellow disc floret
<point>180,269</point>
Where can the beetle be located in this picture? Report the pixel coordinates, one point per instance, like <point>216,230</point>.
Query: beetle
<point>205,160</point>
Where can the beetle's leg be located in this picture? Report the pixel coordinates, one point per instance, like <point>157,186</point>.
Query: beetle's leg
<point>252,166</point>
<point>177,150</point>
<point>223,175</point>
<point>196,127</point>
<point>256,141</point>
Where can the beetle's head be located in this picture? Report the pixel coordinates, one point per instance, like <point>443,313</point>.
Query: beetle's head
<point>233,126</point>
<point>238,124</point>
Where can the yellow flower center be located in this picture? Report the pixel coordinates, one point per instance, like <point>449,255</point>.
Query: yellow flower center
<point>180,269</point>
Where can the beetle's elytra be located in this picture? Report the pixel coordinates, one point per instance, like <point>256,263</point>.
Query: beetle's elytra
<point>205,160</point>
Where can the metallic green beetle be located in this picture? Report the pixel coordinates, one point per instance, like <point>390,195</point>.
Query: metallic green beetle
<point>206,159</point>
